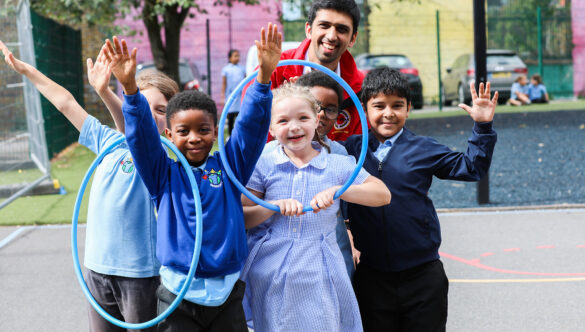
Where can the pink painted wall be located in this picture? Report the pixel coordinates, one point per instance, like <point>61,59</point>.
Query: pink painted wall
<point>246,23</point>
<point>578,21</point>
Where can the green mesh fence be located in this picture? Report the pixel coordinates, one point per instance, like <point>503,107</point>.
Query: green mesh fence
<point>58,55</point>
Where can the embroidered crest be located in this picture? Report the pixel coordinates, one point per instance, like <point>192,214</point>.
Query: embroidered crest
<point>343,120</point>
<point>127,165</point>
<point>213,177</point>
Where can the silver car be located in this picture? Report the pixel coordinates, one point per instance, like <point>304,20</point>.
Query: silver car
<point>503,68</point>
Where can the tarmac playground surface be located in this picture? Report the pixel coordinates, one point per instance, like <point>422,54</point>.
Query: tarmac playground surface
<point>518,270</point>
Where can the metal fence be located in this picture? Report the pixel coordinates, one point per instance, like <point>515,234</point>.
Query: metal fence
<point>542,38</point>
<point>23,148</point>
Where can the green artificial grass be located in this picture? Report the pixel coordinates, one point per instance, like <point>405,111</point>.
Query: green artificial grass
<point>68,168</point>
<point>20,176</point>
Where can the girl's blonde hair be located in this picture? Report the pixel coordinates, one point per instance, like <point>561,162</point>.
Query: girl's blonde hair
<point>152,78</point>
<point>288,90</point>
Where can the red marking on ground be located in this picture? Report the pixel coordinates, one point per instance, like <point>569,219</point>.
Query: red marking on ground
<point>475,263</point>
<point>512,249</point>
<point>545,247</point>
<point>486,254</point>
<point>581,246</point>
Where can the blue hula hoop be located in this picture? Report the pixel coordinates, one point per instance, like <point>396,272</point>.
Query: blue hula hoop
<point>232,98</point>
<point>196,251</point>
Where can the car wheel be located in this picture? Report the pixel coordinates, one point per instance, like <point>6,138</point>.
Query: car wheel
<point>446,102</point>
<point>461,95</point>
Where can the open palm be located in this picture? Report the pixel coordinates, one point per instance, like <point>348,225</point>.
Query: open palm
<point>13,62</point>
<point>269,48</point>
<point>483,107</point>
<point>121,62</point>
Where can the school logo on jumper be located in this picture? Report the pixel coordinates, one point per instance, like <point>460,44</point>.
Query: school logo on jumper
<point>213,177</point>
<point>127,165</point>
<point>343,120</point>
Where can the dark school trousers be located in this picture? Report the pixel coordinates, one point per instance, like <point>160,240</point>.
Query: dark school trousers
<point>410,301</point>
<point>189,316</point>
<point>132,300</point>
<point>231,118</point>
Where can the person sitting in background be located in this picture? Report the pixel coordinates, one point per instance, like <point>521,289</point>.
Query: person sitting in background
<point>518,94</point>
<point>537,91</point>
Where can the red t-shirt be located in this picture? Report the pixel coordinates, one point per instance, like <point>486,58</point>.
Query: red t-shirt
<point>348,122</point>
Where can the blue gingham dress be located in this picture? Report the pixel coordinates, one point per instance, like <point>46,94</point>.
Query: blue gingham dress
<point>295,275</point>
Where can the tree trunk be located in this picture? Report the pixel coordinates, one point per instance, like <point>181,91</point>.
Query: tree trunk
<point>165,56</point>
<point>153,30</point>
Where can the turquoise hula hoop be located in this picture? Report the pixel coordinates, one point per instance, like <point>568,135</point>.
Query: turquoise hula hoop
<point>196,251</point>
<point>239,88</point>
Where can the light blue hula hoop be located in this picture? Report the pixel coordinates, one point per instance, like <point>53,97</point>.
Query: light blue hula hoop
<point>232,98</point>
<point>196,251</point>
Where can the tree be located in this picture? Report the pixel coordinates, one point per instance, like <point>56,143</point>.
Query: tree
<point>157,15</point>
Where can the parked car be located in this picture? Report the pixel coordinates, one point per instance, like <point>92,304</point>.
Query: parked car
<point>503,67</point>
<point>366,62</point>
<point>189,76</point>
<point>252,56</point>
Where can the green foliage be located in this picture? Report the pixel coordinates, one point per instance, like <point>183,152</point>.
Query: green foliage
<point>515,27</point>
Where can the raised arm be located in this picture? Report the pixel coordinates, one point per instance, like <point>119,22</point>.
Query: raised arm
<point>269,51</point>
<point>142,135</point>
<point>122,64</point>
<point>98,75</point>
<point>57,95</point>
<point>251,128</point>
<point>475,162</point>
<point>483,108</point>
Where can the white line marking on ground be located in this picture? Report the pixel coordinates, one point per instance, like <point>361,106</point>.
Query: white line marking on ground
<point>12,236</point>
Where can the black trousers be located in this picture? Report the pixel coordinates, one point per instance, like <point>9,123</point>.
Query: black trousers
<point>131,300</point>
<point>410,301</point>
<point>231,118</point>
<point>194,317</point>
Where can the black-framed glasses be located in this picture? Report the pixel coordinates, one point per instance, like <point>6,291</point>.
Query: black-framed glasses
<point>331,112</point>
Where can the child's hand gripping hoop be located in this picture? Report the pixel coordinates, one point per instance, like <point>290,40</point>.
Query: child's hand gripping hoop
<point>196,250</point>
<point>341,82</point>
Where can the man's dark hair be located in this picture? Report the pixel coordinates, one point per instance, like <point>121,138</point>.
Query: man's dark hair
<point>231,52</point>
<point>319,78</point>
<point>387,81</point>
<point>191,100</point>
<point>348,7</point>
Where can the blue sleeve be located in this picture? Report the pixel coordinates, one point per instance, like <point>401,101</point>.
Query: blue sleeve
<point>96,136</point>
<point>471,165</point>
<point>250,131</point>
<point>224,71</point>
<point>543,89</point>
<point>143,140</point>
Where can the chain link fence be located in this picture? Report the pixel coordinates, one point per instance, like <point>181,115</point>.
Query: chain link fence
<point>433,36</point>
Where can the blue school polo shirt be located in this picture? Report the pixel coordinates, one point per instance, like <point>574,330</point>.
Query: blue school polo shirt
<point>121,225</point>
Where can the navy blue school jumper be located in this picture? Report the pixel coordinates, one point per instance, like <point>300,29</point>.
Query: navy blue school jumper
<point>402,239</point>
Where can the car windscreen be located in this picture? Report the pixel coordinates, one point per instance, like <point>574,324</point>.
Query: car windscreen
<point>504,60</point>
<point>391,61</point>
<point>185,73</point>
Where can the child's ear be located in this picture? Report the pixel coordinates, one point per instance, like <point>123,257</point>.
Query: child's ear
<point>215,132</point>
<point>408,109</point>
<point>169,134</point>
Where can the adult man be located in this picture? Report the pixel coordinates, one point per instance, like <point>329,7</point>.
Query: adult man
<point>331,29</point>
